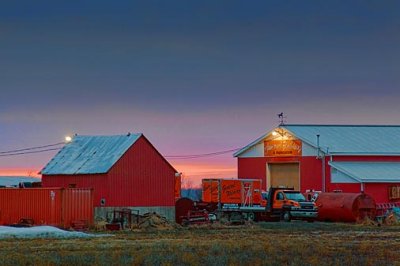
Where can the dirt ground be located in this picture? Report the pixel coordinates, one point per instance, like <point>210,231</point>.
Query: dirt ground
<point>295,243</point>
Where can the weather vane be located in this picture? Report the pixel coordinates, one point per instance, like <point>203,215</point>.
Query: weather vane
<point>281,119</point>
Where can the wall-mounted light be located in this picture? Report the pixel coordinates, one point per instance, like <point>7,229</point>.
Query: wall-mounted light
<point>279,132</point>
<point>68,139</point>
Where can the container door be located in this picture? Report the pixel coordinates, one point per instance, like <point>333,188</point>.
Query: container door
<point>210,190</point>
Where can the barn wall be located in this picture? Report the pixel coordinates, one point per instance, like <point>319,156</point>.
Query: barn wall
<point>345,187</point>
<point>253,168</point>
<point>256,168</point>
<point>310,173</point>
<point>380,192</point>
<point>99,183</point>
<point>141,177</point>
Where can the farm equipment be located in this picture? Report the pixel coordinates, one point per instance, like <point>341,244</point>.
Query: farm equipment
<point>122,219</point>
<point>388,213</point>
<point>196,217</point>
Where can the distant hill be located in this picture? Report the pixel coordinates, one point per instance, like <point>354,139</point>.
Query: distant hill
<point>13,181</point>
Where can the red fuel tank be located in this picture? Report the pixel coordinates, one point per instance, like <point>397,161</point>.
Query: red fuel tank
<point>345,207</point>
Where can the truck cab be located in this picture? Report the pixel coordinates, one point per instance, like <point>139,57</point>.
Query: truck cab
<point>290,204</point>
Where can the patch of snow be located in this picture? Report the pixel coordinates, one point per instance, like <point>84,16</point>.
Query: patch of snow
<point>42,232</point>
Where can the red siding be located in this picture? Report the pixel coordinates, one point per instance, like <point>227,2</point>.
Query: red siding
<point>98,182</point>
<point>256,168</point>
<point>310,173</point>
<point>253,168</point>
<point>345,187</point>
<point>142,177</point>
<point>379,191</point>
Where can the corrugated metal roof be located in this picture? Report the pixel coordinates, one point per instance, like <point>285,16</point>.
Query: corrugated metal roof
<point>345,139</point>
<point>350,139</point>
<point>90,154</point>
<point>370,172</point>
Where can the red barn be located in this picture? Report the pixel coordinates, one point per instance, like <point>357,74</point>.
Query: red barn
<point>350,158</point>
<point>124,171</point>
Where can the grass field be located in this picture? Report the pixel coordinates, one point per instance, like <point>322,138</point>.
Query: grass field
<point>295,243</point>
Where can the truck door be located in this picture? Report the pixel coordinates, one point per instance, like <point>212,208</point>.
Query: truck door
<point>279,200</point>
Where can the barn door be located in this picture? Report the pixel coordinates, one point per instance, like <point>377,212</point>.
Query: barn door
<point>284,174</point>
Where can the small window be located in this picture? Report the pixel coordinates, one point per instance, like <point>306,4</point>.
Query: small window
<point>103,202</point>
<point>280,196</point>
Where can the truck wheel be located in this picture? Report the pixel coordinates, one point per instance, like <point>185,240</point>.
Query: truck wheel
<point>286,216</point>
<point>251,216</point>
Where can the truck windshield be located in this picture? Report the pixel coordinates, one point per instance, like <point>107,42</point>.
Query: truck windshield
<point>297,196</point>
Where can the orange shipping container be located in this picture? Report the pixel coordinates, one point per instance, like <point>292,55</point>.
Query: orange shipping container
<point>232,191</point>
<point>46,206</point>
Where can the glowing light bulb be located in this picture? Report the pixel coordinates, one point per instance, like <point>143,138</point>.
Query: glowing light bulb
<point>68,139</point>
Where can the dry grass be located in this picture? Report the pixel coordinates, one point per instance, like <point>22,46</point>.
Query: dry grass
<point>295,243</point>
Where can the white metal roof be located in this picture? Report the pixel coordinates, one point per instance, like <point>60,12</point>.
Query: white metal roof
<point>90,154</point>
<point>345,139</point>
<point>370,172</point>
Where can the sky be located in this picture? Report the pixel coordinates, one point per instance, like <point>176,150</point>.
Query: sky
<point>193,76</point>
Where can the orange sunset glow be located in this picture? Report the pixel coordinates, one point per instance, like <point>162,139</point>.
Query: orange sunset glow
<point>193,173</point>
<point>20,172</point>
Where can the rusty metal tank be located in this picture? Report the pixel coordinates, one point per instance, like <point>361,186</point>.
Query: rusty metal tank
<point>345,207</point>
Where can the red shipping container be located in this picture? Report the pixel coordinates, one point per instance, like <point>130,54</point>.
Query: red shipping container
<point>46,206</point>
<point>232,191</point>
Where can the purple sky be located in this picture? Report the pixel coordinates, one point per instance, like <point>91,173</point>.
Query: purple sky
<point>193,76</point>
